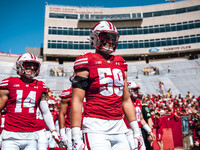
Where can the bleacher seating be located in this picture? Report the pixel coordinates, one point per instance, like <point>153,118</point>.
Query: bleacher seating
<point>184,75</point>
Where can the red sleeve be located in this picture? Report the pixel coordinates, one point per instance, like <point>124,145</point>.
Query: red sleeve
<point>66,93</point>
<point>43,86</point>
<point>81,62</point>
<point>5,84</point>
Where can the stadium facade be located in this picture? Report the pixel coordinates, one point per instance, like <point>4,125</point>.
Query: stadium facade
<point>170,29</point>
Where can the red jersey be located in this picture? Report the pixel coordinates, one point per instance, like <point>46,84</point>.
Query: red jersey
<point>67,94</point>
<point>23,100</point>
<point>106,83</point>
<point>138,107</point>
<point>40,120</point>
<point>157,123</point>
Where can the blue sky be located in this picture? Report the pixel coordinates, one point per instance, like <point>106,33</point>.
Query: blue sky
<point>22,21</point>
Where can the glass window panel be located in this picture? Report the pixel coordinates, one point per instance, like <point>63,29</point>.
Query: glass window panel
<point>197,25</point>
<point>198,39</point>
<point>87,32</point>
<point>49,45</point>
<point>53,45</point>
<point>141,45</point>
<point>139,31</point>
<point>151,30</point>
<point>120,32</point>
<point>191,26</point>
<point>59,32</point>
<point>146,44</point>
<point>59,45</point>
<point>174,42</point>
<point>167,28</point>
<point>130,45</point>
<point>125,45</point>
<point>173,28</point>
<point>152,44</point>
<point>163,43</point>
<point>181,10</point>
<point>179,28</point>
<point>70,32</point>
<point>76,32</point>
<point>50,31</point>
<point>146,15</point>
<point>134,31</point>
<point>130,32</point>
<point>119,46</point>
<point>157,30</point>
<point>162,29</point>
<point>81,32</point>
<point>70,46</point>
<point>87,46</point>
<point>81,46</point>
<point>76,46</point>
<point>136,45</point>
<point>145,31</point>
<point>123,32</point>
<point>185,26</point>
<point>64,46</point>
<point>181,41</point>
<point>54,31</point>
<point>169,42</point>
<point>187,40</point>
<point>157,43</point>
<point>65,32</point>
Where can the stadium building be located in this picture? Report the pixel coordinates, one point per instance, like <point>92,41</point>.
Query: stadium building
<point>154,31</point>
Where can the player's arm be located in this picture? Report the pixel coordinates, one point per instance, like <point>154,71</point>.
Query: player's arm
<point>79,86</point>
<point>62,111</point>
<point>48,119</point>
<point>127,104</point>
<point>3,98</point>
<point>146,127</point>
<point>46,113</point>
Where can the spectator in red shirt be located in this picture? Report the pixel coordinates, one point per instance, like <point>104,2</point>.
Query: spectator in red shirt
<point>159,130</point>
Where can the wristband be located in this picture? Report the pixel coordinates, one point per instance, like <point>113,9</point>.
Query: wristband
<point>134,126</point>
<point>76,132</point>
<point>62,131</point>
<point>147,128</point>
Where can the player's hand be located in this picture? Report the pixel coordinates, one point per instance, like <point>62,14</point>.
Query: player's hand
<point>77,144</point>
<point>64,140</point>
<point>138,141</point>
<point>55,136</point>
<point>151,136</point>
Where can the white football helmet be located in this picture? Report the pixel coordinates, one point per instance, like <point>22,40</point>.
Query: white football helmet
<point>133,88</point>
<point>22,64</point>
<point>104,37</point>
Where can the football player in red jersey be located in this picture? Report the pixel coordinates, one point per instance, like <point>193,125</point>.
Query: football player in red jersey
<point>21,97</point>
<point>133,90</point>
<point>102,79</point>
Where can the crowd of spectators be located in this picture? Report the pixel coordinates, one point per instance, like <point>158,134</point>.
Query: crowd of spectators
<point>60,72</point>
<point>151,71</point>
<point>186,108</point>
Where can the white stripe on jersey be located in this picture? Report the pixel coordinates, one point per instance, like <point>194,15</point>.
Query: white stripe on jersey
<point>80,63</point>
<point>3,84</point>
<point>5,81</point>
<point>81,59</point>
